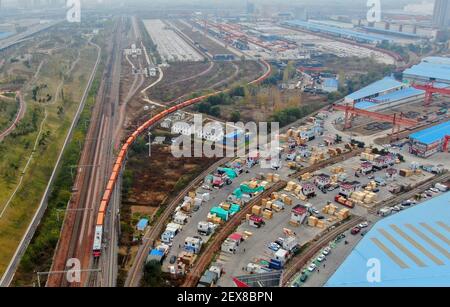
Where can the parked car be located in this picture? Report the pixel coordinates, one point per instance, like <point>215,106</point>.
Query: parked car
<point>340,237</point>
<point>363,225</point>
<point>279,241</point>
<point>355,230</point>
<point>312,267</point>
<point>408,202</point>
<point>315,211</point>
<point>321,258</point>
<point>326,251</point>
<point>304,278</point>
<point>332,188</point>
<point>173,259</point>
<point>274,246</point>
<point>363,233</point>
<point>434,190</point>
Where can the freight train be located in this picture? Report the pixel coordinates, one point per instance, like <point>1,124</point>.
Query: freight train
<point>98,235</point>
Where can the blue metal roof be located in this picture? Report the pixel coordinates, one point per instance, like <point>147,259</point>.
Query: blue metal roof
<point>5,34</point>
<point>142,224</point>
<point>382,85</point>
<point>338,31</point>
<point>156,252</point>
<point>400,94</point>
<point>411,246</point>
<point>364,105</point>
<point>432,134</point>
<point>437,60</point>
<point>331,82</point>
<point>430,70</point>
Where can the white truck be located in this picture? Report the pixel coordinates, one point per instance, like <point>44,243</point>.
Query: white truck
<point>385,211</point>
<point>205,228</point>
<point>441,187</point>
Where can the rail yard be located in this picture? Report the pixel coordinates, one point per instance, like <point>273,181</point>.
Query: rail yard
<point>221,149</point>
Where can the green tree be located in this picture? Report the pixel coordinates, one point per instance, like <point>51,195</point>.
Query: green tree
<point>152,274</point>
<point>235,116</point>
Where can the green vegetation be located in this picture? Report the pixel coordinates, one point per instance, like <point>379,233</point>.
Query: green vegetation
<point>358,73</point>
<point>8,111</point>
<point>40,251</point>
<point>46,125</point>
<point>211,105</point>
<point>290,115</point>
<point>153,275</point>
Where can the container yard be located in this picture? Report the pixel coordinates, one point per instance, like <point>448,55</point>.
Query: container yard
<point>143,196</point>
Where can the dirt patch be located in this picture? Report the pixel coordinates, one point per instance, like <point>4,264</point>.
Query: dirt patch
<point>158,177</point>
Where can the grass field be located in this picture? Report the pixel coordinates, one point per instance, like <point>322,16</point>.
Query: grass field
<point>45,124</point>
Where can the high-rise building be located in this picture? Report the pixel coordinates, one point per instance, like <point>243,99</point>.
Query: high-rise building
<point>441,15</point>
<point>250,8</point>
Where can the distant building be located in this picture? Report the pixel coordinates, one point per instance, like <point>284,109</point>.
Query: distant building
<point>441,15</point>
<point>250,8</point>
<point>429,69</point>
<point>182,128</point>
<point>330,85</point>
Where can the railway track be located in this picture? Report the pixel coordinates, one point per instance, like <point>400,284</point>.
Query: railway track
<point>297,263</point>
<point>75,239</point>
<point>214,245</point>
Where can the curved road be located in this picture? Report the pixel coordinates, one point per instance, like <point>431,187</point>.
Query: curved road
<point>19,116</point>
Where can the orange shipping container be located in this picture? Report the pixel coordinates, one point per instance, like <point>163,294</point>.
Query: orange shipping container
<point>100,218</point>
<point>103,206</point>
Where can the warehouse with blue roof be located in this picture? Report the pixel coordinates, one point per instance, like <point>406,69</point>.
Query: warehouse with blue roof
<point>436,69</point>
<point>389,92</point>
<point>382,87</point>
<point>429,141</point>
<point>338,32</point>
<point>408,249</point>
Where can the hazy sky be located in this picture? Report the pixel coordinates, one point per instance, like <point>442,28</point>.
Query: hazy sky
<point>229,2</point>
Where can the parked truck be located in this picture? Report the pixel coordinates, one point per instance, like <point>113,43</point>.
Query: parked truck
<point>441,187</point>
<point>205,228</point>
<point>344,201</point>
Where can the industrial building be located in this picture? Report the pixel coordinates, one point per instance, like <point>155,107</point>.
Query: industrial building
<point>410,246</point>
<point>330,85</point>
<point>382,87</point>
<point>338,32</point>
<point>429,141</point>
<point>388,92</point>
<point>436,69</point>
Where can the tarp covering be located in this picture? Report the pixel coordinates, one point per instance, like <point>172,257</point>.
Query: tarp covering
<point>230,172</point>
